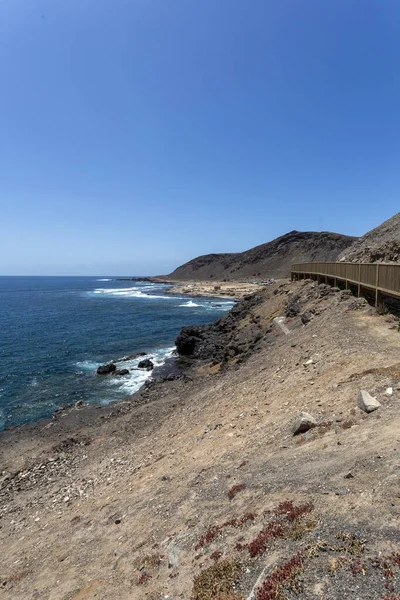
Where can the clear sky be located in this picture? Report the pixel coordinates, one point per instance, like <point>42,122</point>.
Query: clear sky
<point>137,134</point>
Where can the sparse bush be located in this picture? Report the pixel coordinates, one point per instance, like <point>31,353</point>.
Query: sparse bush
<point>216,581</point>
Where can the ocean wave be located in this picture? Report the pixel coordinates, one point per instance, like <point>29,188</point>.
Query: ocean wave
<point>190,304</point>
<point>130,293</point>
<point>87,365</point>
<point>209,305</point>
<point>103,279</point>
<point>133,381</point>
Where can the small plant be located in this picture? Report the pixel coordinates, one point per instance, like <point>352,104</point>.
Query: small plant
<point>215,530</point>
<point>216,581</point>
<point>282,576</point>
<point>216,555</point>
<point>143,579</point>
<point>348,424</point>
<point>259,544</point>
<point>286,522</point>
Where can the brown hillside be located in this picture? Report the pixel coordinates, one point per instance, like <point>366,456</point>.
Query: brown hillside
<point>382,244</point>
<point>196,488</point>
<point>272,259</point>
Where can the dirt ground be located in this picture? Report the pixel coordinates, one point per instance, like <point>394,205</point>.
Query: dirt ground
<point>196,488</point>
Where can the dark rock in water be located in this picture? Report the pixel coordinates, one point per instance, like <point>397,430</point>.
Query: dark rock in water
<point>121,372</point>
<point>106,369</point>
<point>146,364</point>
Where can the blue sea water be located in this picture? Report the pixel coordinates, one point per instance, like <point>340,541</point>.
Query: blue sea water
<point>56,331</point>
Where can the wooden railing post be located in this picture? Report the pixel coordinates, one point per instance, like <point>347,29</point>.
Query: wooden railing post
<point>376,285</point>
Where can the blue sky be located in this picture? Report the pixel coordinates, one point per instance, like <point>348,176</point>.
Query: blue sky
<point>137,134</point>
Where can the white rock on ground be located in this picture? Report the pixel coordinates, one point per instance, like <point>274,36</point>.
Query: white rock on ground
<point>303,422</point>
<point>366,402</point>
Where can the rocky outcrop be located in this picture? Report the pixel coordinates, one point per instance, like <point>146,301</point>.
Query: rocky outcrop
<point>381,244</point>
<point>273,259</point>
<point>121,372</point>
<point>234,335</point>
<point>106,369</point>
<point>146,364</point>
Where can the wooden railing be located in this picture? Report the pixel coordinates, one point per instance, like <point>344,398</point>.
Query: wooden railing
<point>382,278</point>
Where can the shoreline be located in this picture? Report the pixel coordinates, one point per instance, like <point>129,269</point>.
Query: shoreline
<point>116,501</point>
<point>169,368</point>
<point>234,290</point>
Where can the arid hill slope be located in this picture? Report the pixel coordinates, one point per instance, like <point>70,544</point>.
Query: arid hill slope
<point>196,488</point>
<point>272,259</point>
<point>381,244</point>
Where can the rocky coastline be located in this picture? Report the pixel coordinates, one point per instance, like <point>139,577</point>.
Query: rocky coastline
<point>248,457</point>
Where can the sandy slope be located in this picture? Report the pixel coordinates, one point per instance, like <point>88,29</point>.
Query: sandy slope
<point>114,503</point>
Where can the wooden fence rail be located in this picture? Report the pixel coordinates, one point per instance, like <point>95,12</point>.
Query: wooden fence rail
<point>381,278</point>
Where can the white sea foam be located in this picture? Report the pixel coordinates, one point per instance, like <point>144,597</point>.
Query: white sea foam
<point>103,279</point>
<point>209,305</point>
<point>131,293</point>
<point>133,381</point>
<point>87,365</point>
<point>190,304</point>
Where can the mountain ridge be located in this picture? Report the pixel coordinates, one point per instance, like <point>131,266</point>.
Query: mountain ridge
<point>271,259</point>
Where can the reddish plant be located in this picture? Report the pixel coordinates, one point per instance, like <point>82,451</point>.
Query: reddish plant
<point>144,578</point>
<point>216,555</point>
<point>357,567</point>
<point>259,544</point>
<point>215,530</point>
<point>285,515</point>
<point>271,587</point>
<point>290,512</point>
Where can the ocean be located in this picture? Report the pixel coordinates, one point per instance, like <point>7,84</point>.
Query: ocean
<point>56,331</point>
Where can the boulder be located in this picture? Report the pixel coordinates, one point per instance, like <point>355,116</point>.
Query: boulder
<point>106,369</point>
<point>366,402</point>
<point>303,422</point>
<point>293,307</point>
<point>121,372</point>
<point>306,317</point>
<point>146,364</point>
<point>185,344</point>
